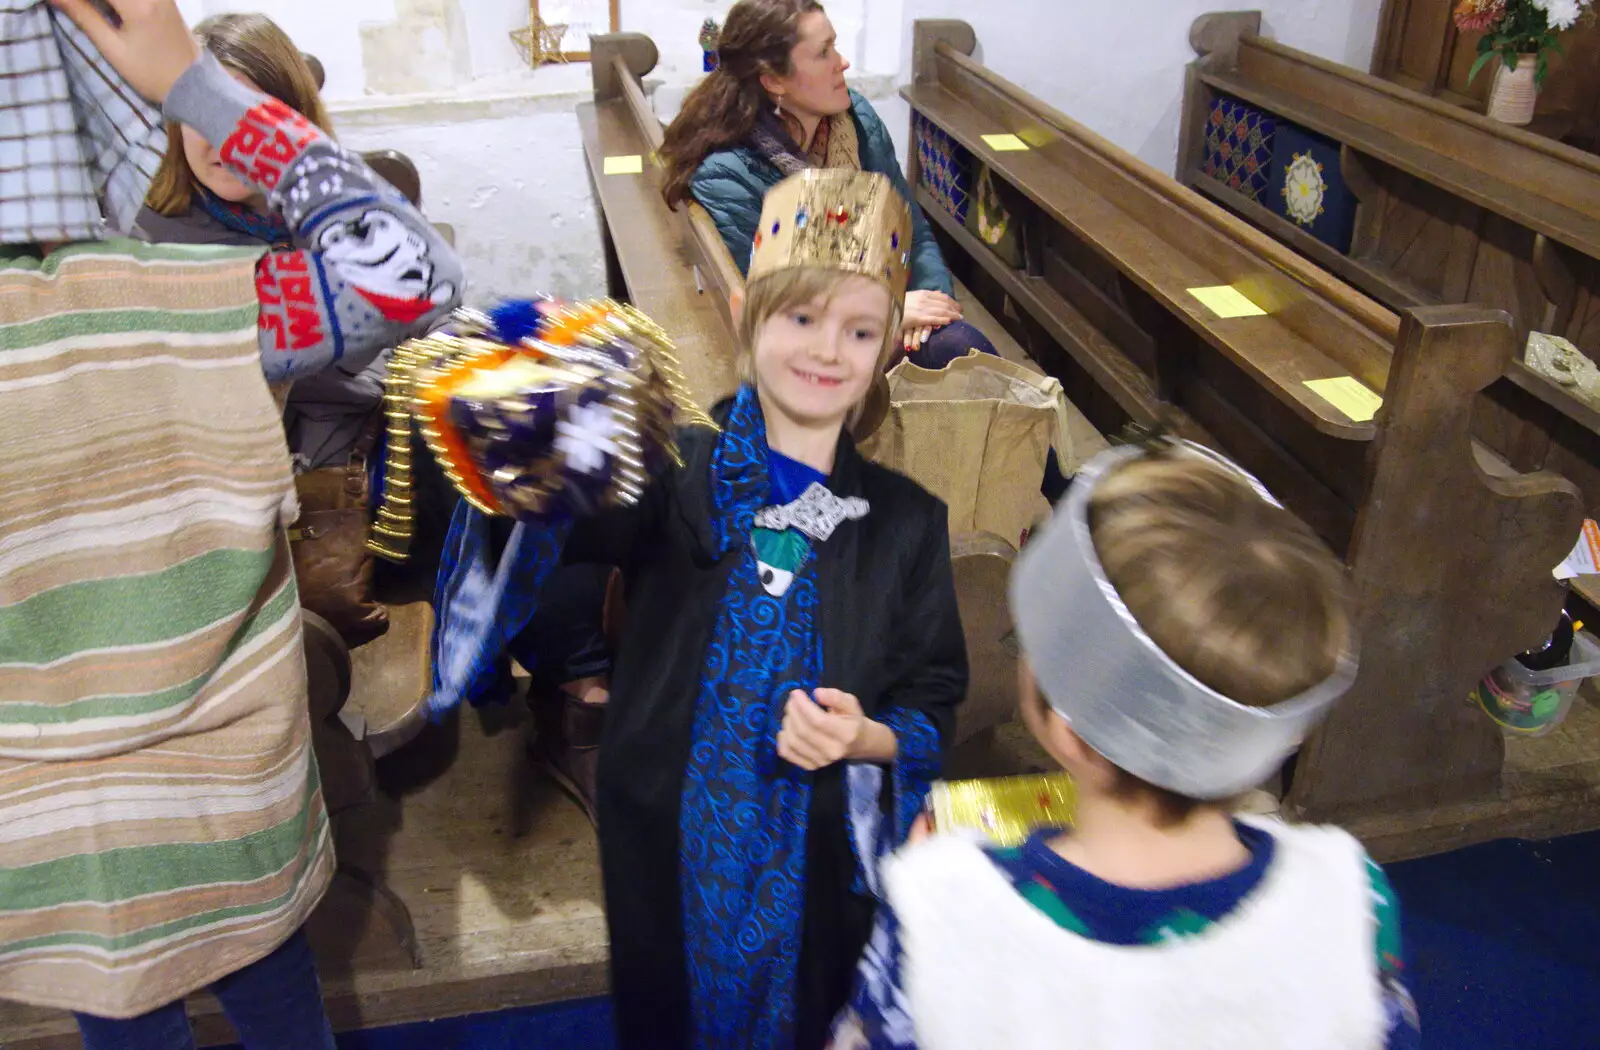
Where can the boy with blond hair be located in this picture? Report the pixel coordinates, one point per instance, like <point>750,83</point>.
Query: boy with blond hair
<point>1182,634</point>
<point>792,659</point>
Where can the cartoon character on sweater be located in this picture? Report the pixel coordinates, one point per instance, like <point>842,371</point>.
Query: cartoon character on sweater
<point>386,262</point>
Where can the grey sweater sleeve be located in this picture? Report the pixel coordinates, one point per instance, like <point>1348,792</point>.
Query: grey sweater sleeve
<point>366,271</point>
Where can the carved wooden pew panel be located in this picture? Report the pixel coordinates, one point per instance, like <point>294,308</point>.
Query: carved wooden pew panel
<point>1453,208</point>
<point>1451,566</point>
<point>1451,561</point>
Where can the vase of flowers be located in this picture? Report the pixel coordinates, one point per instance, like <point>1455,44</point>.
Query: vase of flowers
<point>1518,37</point>
<point>1514,93</point>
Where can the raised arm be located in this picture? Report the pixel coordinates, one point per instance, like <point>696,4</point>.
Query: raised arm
<point>366,271</point>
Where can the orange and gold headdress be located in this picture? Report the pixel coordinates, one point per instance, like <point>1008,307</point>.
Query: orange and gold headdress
<point>536,410</point>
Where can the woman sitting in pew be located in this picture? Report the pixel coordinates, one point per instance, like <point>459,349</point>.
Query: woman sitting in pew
<point>195,199</point>
<point>779,83</point>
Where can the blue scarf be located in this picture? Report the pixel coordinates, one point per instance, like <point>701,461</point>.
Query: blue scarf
<point>743,816</point>
<point>481,605</point>
<point>271,229</point>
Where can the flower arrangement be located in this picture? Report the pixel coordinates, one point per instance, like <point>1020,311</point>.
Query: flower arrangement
<point>1517,27</point>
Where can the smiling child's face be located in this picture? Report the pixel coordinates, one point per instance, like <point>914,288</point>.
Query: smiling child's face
<point>815,361</point>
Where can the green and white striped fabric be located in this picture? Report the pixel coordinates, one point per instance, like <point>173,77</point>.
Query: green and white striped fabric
<point>161,821</point>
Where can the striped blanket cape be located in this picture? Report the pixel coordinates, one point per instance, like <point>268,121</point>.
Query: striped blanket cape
<point>161,821</point>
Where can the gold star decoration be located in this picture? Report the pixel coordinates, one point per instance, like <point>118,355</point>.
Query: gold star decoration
<point>540,41</point>
<point>550,40</point>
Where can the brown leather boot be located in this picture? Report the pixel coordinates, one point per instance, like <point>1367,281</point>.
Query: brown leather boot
<point>568,745</point>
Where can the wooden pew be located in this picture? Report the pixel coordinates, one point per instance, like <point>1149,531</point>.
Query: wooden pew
<point>653,259</point>
<point>676,268</point>
<point>1453,208</point>
<point>1451,563</point>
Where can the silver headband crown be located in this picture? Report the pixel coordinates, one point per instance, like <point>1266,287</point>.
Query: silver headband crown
<point>1118,690</point>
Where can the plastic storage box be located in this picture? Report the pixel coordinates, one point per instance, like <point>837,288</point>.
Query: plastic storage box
<point>1531,703</point>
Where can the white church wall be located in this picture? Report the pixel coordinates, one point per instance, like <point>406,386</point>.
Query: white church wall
<point>1118,68</point>
<point>498,145</point>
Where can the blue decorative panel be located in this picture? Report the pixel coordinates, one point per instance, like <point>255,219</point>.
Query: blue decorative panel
<point>1308,187</point>
<point>1239,146</point>
<point>946,167</point>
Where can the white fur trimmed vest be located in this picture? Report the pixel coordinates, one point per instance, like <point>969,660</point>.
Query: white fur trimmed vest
<point>1294,967</point>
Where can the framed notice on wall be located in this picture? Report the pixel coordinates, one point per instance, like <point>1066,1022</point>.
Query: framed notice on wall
<point>559,30</point>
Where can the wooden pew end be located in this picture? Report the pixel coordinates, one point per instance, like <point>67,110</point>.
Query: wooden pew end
<point>981,562</point>
<point>929,33</point>
<point>1218,33</point>
<point>638,55</point>
<point>399,171</point>
<point>393,677</point>
<point>1452,572</point>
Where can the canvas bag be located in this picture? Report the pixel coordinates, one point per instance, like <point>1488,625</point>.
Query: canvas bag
<point>976,434</point>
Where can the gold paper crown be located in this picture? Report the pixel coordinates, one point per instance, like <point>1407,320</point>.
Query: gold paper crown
<point>837,220</point>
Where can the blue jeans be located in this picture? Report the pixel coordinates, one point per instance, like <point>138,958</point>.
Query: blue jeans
<point>274,1003</point>
<point>566,639</point>
<point>948,343</point>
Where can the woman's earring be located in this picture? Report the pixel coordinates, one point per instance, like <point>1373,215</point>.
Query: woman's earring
<point>777,107</point>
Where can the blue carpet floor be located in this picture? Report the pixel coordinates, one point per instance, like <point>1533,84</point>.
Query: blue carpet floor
<point>1502,940</point>
<point>584,1024</point>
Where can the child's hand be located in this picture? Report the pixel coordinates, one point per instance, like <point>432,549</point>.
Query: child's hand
<point>811,737</point>
<point>151,48</point>
<point>831,729</point>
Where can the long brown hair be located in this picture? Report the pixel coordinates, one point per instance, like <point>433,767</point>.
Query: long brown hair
<point>758,38</point>
<point>253,46</point>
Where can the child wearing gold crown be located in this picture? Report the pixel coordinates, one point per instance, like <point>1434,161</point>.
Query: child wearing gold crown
<point>1182,634</point>
<point>791,660</point>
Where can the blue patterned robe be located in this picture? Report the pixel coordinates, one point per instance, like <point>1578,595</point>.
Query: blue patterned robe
<point>743,819</point>
<point>744,810</point>
<point>742,827</point>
